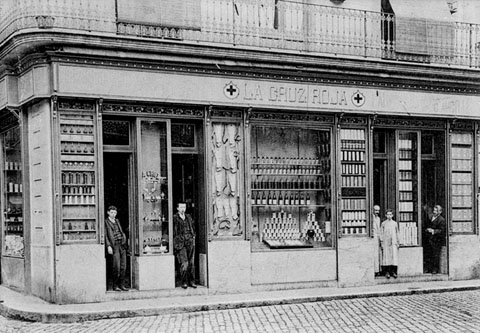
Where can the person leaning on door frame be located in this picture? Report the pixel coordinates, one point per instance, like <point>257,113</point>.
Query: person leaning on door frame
<point>434,238</point>
<point>116,243</point>
<point>184,245</point>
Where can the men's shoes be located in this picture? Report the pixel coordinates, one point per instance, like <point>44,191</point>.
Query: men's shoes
<point>193,285</point>
<point>387,275</point>
<point>117,289</point>
<point>124,288</point>
<point>394,275</point>
<point>184,286</point>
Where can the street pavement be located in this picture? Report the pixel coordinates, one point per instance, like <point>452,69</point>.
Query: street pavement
<point>457,311</point>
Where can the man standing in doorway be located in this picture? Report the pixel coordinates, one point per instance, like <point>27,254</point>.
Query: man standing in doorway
<point>116,243</point>
<point>434,239</point>
<point>377,251</point>
<point>184,245</point>
<point>390,240</point>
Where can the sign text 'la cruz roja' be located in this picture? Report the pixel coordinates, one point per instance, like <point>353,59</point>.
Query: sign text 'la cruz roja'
<point>295,94</point>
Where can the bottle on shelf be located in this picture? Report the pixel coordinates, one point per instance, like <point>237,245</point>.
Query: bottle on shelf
<point>264,200</point>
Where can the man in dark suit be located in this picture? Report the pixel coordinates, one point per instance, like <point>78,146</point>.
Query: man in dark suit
<point>116,243</point>
<point>433,239</point>
<point>184,245</point>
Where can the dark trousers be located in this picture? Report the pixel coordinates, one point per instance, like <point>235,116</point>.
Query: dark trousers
<point>390,269</point>
<point>119,265</point>
<point>432,259</point>
<point>186,261</point>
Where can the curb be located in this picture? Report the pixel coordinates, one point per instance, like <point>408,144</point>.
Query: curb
<point>71,317</point>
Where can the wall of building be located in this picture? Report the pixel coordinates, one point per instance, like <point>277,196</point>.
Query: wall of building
<point>41,228</point>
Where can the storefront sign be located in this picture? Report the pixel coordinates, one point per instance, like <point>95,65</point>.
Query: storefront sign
<point>210,90</point>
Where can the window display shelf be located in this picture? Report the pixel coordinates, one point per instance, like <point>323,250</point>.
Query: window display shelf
<point>462,182</point>
<point>12,197</point>
<point>353,182</point>
<point>78,177</point>
<point>290,192</point>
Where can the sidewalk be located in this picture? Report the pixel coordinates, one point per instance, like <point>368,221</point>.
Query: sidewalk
<point>17,306</point>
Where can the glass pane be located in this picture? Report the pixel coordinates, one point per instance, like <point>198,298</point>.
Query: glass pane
<point>154,188</point>
<point>408,188</point>
<point>183,135</point>
<point>462,182</point>
<point>290,187</point>
<point>227,147</point>
<point>116,132</point>
<point>13,193</point>
<point>354,182</point>
<point>77,154</point>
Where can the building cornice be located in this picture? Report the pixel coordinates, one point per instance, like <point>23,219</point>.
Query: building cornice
<point>148,55</point>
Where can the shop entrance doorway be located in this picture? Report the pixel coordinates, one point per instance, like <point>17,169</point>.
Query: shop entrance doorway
<point>186,189</point>
<point>117,189</point>
<point>409,177</point>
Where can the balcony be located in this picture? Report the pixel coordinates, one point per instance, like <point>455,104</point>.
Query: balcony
<point>260,24</point>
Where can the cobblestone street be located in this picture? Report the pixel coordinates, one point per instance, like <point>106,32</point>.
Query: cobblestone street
<point>439,312</point>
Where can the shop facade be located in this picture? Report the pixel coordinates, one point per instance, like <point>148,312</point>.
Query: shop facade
<point>280,176</point>
<point>280,166</point>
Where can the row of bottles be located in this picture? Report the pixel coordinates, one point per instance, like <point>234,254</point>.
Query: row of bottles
<point>14,211</point>
<point>14,228</point>
<point>271,198</point>
<point>72,189</point>
<point>9,165</point>
<point>263,183</point>
<point>79,199</point>
<point>353,156</point>
<point>78,178</point>
<point>354,181</point>
<point>80,148</point>
<point>14,188</point>
<point>78,165</point>
<point>79,236</point>
<point>76,129</point>
<point>290,169</point>
<point>79,225</point>
<point>354,169</point>
<point>284,160</point>
<point>347,230</point>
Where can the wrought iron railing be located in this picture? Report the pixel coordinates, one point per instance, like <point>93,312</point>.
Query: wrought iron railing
<point>263,24</point>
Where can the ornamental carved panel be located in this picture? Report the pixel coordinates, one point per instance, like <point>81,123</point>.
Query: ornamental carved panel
<point>153,109</point>
<point>226,148</point>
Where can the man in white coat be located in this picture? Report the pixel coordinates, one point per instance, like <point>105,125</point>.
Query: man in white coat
<point>389,238</point>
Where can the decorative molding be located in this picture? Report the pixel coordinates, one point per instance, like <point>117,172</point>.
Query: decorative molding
<point>256,74</point>
<point>353,120</point>
<point>231,114</point>
<point>408,123</point>
<point>255,115</point>
<point>75,106</point>
<point>461,125</point>
<point>45,21</point>
<point>154,109</point>
<point>145,30</point>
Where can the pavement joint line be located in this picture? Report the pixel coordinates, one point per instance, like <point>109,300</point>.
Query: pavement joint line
<point>69,316</point>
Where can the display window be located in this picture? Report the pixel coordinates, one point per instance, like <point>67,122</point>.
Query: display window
<point>154,203</point>
<point>408,187</point>
<point>353,145</point>
<point>462,186</point>
<point>291,182</point>
<point>78,162</point>
<point>12,193</point>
